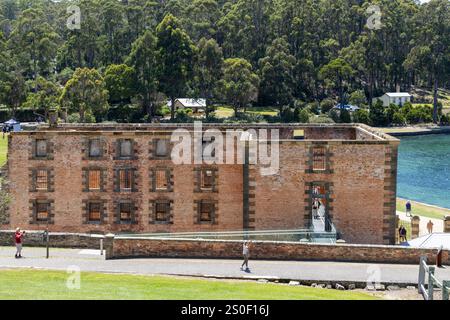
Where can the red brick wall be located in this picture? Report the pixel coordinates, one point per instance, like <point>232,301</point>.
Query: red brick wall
<point>362,189</point>
<point>69,195</point>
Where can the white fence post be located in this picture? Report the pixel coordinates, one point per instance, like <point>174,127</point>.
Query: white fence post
<point>423,261</point>
<point>430,283</point>
<point>445,286</point>
<point>101,247</point>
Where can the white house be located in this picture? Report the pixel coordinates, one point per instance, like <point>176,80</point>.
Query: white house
<point>196,105</point>
<point>398,98</point>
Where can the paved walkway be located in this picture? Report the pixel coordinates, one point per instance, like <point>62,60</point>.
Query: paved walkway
<point>437,227</point>
<point>90,260</point>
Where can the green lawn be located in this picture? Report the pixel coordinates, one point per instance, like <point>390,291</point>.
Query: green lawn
<point>3,150</point>
<point>225,111</point>
<point>423,210</point>
<point>32,284</point>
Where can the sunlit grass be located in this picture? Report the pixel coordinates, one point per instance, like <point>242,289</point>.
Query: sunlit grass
<point>3,149</point>
<point>423,210</point>
<point>39,284</point>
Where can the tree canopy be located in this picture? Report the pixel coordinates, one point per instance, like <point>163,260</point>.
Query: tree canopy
<point>291,52</point>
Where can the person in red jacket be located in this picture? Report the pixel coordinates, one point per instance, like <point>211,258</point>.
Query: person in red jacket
<point>18,241</point>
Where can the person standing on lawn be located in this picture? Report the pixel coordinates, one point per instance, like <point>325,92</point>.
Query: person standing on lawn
<point>18,241</point>
<point>408,209</point>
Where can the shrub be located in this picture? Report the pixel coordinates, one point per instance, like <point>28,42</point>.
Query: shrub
<point>377,115</point>
<point>398,119</point>
<point>303,116</point>
<point>289,115</point>
<point>445,120</point>
<point>334,115</point>
<point>326,105</point>
<point>420,114</point>
<point>358,98</point>
<point>313,107</point>
<point>323,118</point>
<point>390,111</point>
<point>75,118</point>
<point>361,116</point>
<point>344,116</point>
<point>299,104</point>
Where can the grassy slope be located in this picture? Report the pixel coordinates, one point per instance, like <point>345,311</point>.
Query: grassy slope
<point>423,210</point>
<point>3,150</point>
<point>32,284</point>
<point>224,111</point>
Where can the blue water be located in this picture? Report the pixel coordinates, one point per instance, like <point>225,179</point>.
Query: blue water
<point>424,169</point>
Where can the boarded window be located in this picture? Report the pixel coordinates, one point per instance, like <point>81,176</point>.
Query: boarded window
<point>41,180</point>
<point>125,179</point>
<point>319,158</point>
<point>126,148</point>
<point>161,179</point>
<point>94,179</point>
<point>125,210</point>
<point>95,211</point>
<point>95,148</point>
<point>162,148</point>
<point>162,211</point>
<point>207,179</point>
<point>206,211</point>
<point>42,211</point>
<point>41,148</point>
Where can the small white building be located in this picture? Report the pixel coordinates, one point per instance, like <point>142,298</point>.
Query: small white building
<point>398,98</point>
<point>197,105</point>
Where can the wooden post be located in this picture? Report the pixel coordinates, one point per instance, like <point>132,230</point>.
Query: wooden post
<point>415,227</point>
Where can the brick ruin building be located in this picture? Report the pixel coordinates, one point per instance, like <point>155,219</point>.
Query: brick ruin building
<point>121,179</point>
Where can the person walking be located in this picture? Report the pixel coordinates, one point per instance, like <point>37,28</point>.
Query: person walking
<point>430,225</point>
<point>246,254</point>
<point>408,208</point>
<point>18,241</point>
<point>402,234</point>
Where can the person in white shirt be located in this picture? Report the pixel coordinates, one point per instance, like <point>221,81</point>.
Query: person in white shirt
<point>246,254</point>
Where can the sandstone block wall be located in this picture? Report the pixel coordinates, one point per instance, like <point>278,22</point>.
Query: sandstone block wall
<point>139,247</point>
<point>56,240</point>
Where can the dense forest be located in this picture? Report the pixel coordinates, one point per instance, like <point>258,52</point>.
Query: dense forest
<point>85,57</point>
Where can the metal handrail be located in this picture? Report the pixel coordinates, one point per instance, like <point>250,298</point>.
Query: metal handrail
<point>428,292</point>
<point>278,235</point>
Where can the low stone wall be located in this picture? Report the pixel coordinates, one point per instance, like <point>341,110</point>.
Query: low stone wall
<point>184,248</point>
<point>56,239</point>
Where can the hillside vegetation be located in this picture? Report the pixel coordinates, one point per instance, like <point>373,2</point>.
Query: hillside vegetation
<point>121,60</point>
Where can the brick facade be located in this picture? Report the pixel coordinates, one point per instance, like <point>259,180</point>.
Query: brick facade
<point>358,181</point>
